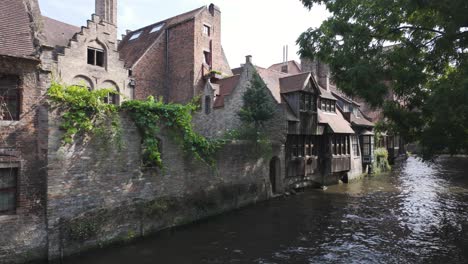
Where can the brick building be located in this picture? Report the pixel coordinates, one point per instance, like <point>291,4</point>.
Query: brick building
<point>23,133</point>
<point>173,58</point>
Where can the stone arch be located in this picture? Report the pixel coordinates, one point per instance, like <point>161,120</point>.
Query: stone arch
<point>275,174</point>
<point>83,80</point>
<point>113,98</point>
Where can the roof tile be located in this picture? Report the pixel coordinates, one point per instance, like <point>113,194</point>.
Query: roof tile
<point>15,31</point>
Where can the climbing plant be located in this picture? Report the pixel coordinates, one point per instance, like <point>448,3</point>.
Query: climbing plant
<point>83,111</point>
<point>381,163</point>
<point>151,114</point>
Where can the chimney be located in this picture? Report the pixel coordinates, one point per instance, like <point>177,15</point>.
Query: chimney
<point>107,11</point>
<point>284,67</point>
<point>323,75</point>
<point>212,8</point>
<point>248,59</point>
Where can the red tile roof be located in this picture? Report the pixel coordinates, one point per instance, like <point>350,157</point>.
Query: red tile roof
<point>58,33</point>
<point>226,86</point>
<point>132,50</point>
<point>293,67</point>
<point>15,31</point>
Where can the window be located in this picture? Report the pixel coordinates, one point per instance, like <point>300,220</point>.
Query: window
<point>96,57</point>
<point>355,144</point>
<point>340,145</point>
<point>112,99</point>
<point>135,35</point>
<point>206,30</point>
<point>207,105</point>
<point>156,28</point>
<point>207,56</point>
<point>327,105</point>
<point>9,98</point>
<point>8,178</point>
<point>306,102</point>
<point>366,145</point>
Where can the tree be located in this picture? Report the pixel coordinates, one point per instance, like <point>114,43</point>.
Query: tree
<point>258,106</point>
<point>415,48</point>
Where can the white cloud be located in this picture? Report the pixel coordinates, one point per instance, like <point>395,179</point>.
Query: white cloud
<point>250,27</point>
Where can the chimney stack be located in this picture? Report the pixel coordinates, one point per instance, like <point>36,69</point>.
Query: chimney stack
<point>248,59</point>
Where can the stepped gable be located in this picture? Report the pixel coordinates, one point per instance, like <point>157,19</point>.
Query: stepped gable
<point>16,37</point>
<point>132,50</point>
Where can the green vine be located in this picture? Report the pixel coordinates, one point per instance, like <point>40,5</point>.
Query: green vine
<point>83,111</point>
<point>149,115</point>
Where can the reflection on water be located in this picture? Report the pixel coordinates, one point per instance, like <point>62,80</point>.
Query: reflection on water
<point>417,214</point>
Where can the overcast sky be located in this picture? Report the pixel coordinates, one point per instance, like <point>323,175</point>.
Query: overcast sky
<point>249,27</point>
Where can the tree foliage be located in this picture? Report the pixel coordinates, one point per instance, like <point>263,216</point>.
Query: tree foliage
<point>417,49</point>
<point>258,106</point>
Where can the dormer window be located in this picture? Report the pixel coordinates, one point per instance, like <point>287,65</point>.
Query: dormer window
<point>135,35</point>
<point>327,105</point>
<point>156,28</point>
<point>96,57</point>
<point>207,30</point>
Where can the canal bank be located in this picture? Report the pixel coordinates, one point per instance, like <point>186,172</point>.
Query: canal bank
<point>416,214</point>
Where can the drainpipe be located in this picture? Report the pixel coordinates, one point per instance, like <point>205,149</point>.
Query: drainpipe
<point>166,82</point>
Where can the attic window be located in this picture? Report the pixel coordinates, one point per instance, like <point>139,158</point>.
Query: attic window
<point>135,35</point>
<point>157,28</point>
<point>206,30</point>
<point>96,57</point>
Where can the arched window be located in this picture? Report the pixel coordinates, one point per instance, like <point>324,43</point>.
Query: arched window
<point>96,54</point>
<point>207,104</point>
<point>81,80</point>
<point>111,98</point>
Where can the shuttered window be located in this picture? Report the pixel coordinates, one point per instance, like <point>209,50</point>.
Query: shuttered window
<point>8,178</point>
<point>9,98</point>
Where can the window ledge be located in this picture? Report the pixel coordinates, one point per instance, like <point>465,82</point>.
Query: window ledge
<point>6,123</point>
<point>8,218</point>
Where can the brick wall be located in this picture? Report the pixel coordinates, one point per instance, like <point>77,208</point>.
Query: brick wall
<point>173,66</point>
<point>23,234</point>
<point>92,186</point>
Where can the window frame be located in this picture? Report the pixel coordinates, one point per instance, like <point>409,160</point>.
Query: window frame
<point>96,58</point>
<point>206,30</point>
<point>13,190</point>
<point>11,98</point>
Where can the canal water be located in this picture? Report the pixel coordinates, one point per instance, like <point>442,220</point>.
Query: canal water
<point>416,214</point>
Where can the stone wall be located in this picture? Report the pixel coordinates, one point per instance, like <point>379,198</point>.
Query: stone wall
<point>23,145</point>
<point>98,194</point>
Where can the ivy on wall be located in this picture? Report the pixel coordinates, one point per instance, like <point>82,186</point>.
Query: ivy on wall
<point>151,114</point>
<point>85,111</point>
